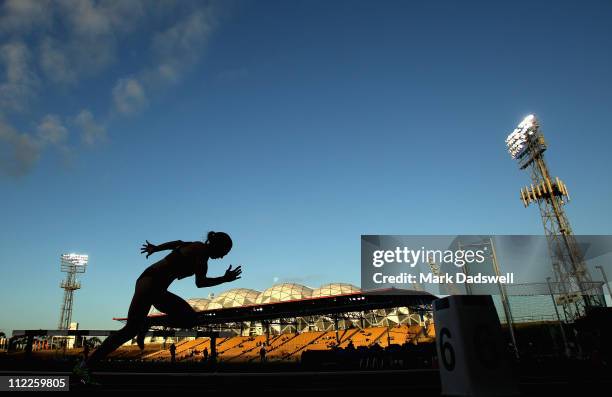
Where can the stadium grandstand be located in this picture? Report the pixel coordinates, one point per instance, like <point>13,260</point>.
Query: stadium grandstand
<point>290,323</point>
<point>289,319</point>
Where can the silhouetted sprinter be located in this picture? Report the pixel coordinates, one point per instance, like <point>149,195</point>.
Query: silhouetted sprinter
<point>185,260</point>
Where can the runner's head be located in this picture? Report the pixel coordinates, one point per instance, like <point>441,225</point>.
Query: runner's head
<point>220,244</point>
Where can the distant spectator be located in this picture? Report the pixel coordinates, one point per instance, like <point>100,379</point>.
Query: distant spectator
<point>205,354</point>
<point>262,353</point>
<point>85,350</point>
<point>173,353</point>
<point>350,345</point>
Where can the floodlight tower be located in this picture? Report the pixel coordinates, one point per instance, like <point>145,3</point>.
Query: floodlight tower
<point>576,290</point>
<point>71,264</point>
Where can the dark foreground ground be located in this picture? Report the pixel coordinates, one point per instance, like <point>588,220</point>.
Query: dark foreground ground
<point>560,378</point>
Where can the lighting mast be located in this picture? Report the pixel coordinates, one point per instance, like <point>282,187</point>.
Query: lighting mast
<point>574,286</point>
<point>71,264</point>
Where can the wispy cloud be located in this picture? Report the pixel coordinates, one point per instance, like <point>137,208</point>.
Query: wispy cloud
<point>51,130</point>
<point>92,132</point>
<point>56,63</point>
<point>129,96</point>
<point>87,41</point>
<point>19,152</point>
<point>68,39</point>
<point>49,44</point>
<point>20,81</point>
<point>174,51</point>
<point>179,47</point>
<point>24,15</point>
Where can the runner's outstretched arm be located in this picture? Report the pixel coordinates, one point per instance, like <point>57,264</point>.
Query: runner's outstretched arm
<point>152,248</point>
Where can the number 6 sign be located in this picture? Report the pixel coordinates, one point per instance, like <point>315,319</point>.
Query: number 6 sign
<point>470,348</point>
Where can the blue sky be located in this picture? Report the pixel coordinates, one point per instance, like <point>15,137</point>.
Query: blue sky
<point>294,126</point>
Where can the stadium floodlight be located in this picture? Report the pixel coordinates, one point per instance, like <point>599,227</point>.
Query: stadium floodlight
<point>74,263</point>
<point>76,259</point>
<point>517,140</point>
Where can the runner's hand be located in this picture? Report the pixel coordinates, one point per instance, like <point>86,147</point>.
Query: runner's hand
<point>148,248</point>
<point>232,275</point>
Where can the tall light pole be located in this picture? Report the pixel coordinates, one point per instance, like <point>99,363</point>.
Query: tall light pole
<point>71,264</point>
<point>526,144</point>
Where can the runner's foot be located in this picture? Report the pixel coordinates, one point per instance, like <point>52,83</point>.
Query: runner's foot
<point>83,374</point>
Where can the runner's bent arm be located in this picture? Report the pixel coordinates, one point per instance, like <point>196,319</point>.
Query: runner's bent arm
<point>203,281</point>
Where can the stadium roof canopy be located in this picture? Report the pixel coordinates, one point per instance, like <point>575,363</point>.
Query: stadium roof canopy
<point>334,289</point>
<point>322,305</point>
<point>277,293</point>
<point>284,292</point>
<point>233,298</point>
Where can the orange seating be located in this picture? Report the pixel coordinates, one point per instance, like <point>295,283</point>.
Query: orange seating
<point>285,346</point>
<point>240,351</point>
<point>293,345</point>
